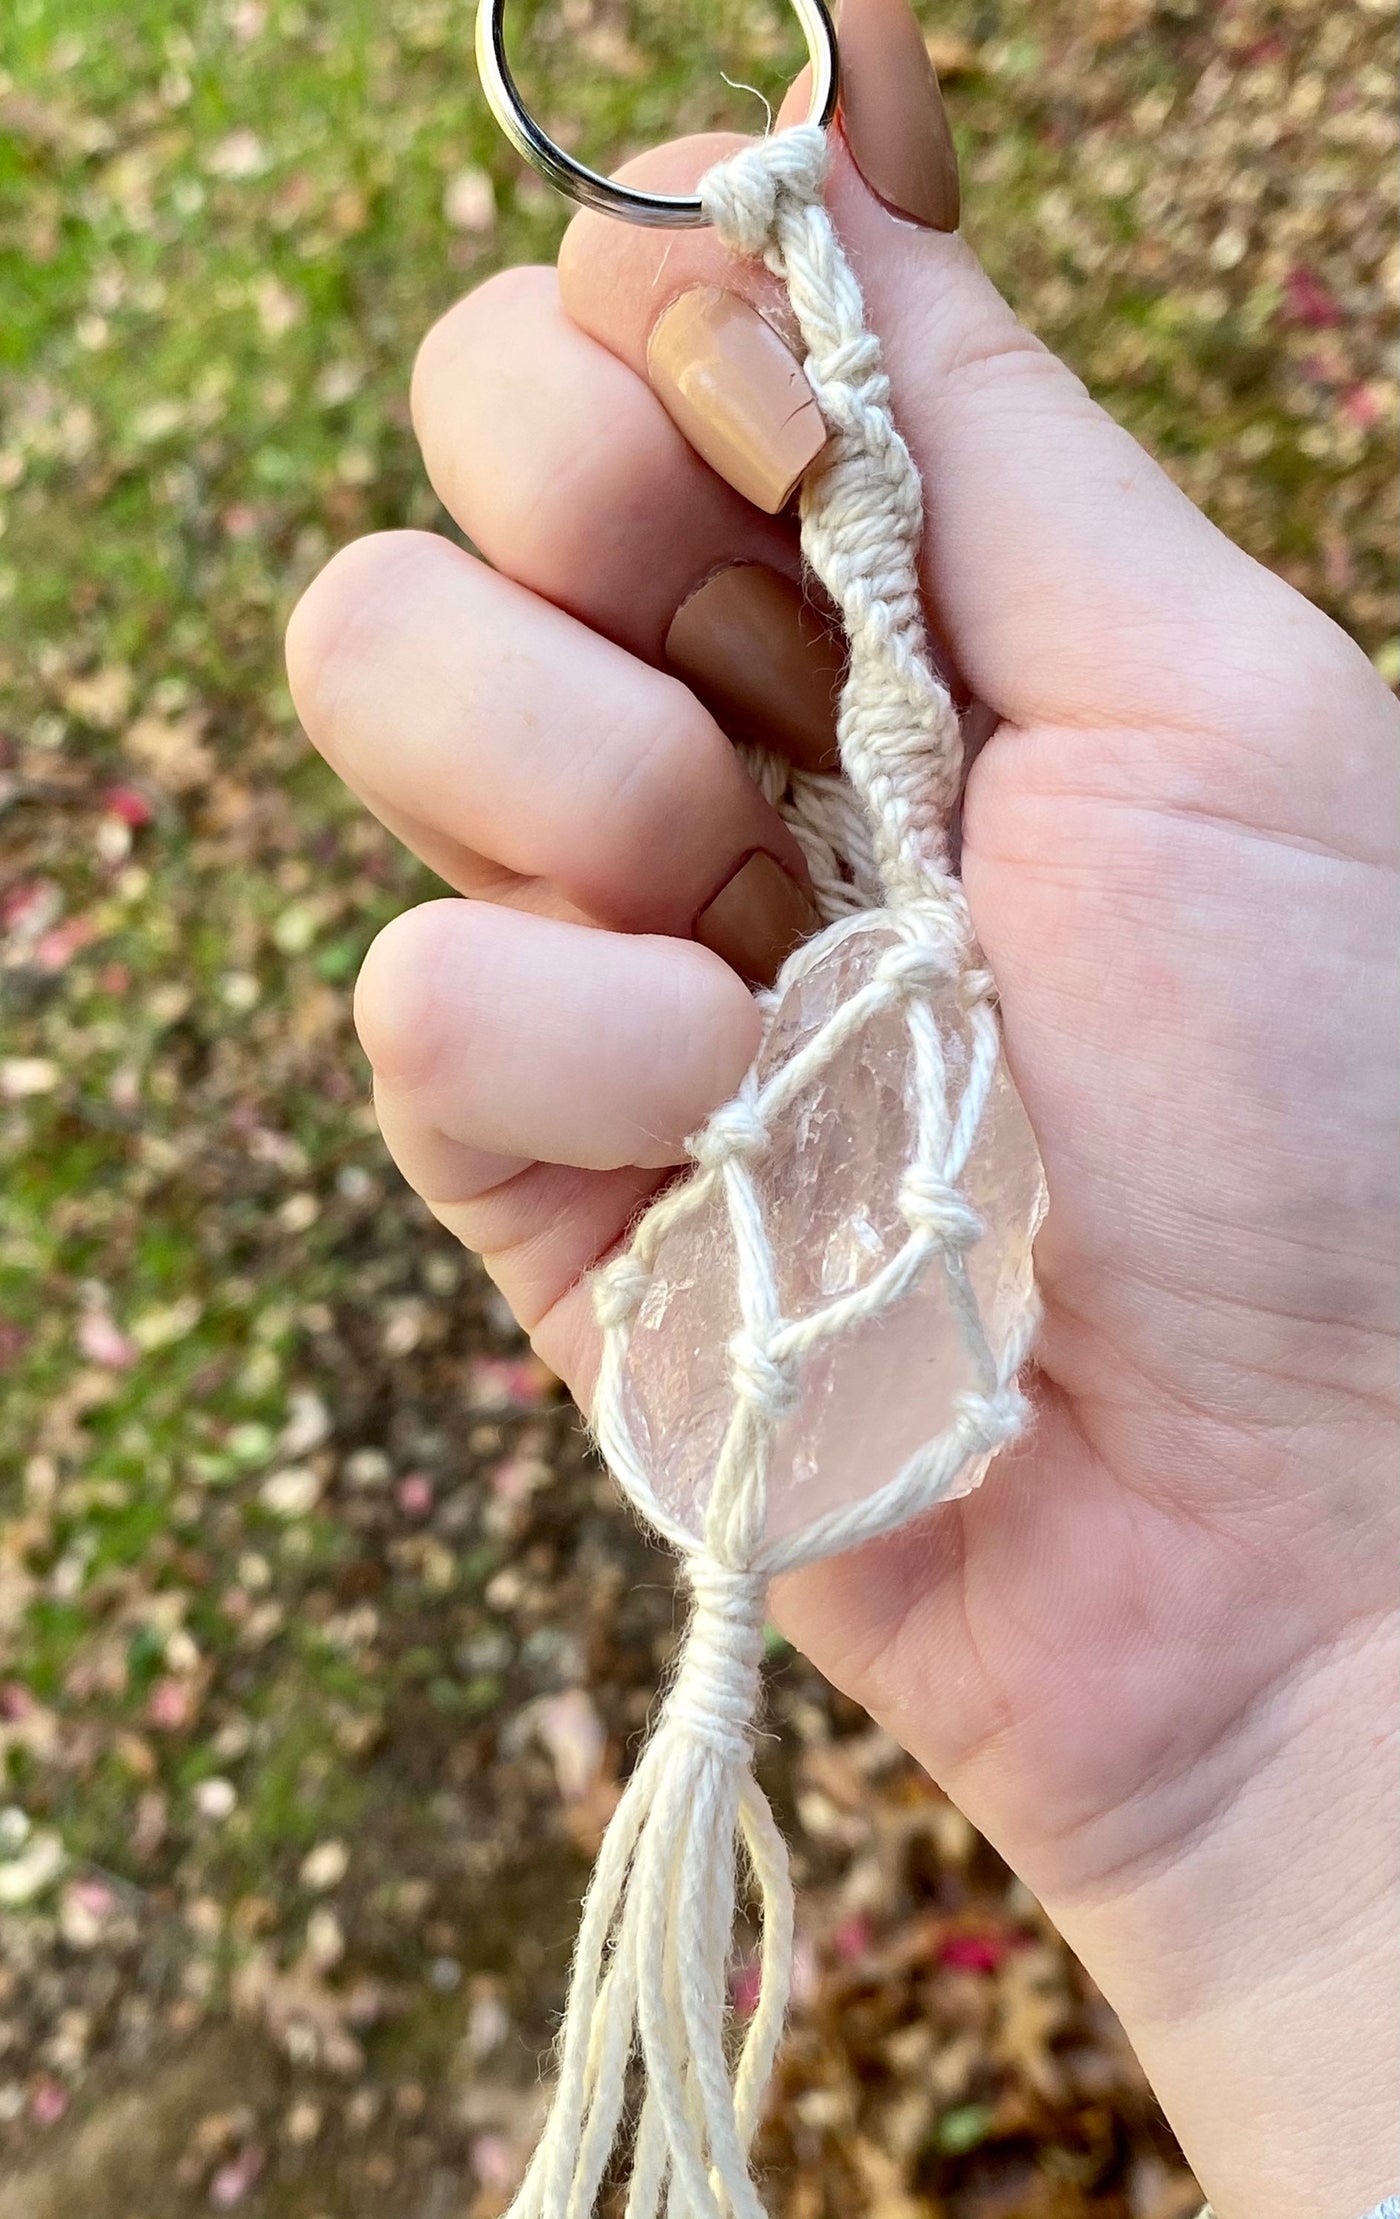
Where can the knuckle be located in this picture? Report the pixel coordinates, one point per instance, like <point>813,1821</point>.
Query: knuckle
<point>663,762</point>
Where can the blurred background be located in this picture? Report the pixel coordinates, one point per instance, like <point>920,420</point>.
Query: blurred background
<point>322,1642</point>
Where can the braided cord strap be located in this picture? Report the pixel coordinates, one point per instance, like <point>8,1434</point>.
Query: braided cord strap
<point>862,517</point>
<point>649,1975</point>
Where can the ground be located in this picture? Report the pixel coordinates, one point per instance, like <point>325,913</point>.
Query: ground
<point>322,1641</point>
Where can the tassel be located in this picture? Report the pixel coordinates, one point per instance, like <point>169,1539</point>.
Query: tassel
<point>649,1971</point>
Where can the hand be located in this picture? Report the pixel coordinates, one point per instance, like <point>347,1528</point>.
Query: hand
<point>1149,1657</point>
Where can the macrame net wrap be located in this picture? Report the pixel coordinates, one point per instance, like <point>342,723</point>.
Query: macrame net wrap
<point>649,1974</point>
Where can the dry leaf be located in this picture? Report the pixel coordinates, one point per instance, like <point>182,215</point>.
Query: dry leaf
<point>171,749</point>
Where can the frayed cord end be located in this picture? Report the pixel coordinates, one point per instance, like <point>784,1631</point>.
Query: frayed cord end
<point>649,1986</point>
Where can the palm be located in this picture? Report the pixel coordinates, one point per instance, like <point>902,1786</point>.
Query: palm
<point>1190,1006</point>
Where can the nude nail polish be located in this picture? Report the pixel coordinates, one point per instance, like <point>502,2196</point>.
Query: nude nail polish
<point>732,384</point>
<point>757,918</point>
<point>760,657</point>
<point>892,113</point>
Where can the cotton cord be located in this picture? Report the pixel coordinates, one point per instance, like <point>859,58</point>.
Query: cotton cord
<point>648,1983</point>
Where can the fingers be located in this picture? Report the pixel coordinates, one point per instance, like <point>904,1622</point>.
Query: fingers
<point>480,717</point>
<point>533,1078</point>
<point>519,1037</point>
<point>1063,563</point>
<point>564,464</point>
<point>568,474</point>
<point>539,1233</point>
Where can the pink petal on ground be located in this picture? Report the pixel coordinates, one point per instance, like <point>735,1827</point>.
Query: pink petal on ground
<point>495,2161</point>
<point>852,1939</point>
<point>47,2102</point>
<point>128,804</point>
<point>1363,407</point>
<point>1307,301</point>
<point>94,1896</point>
<point>104,1343</point>
<point>58,947</point>
<point>31,906</point>
<point>232,2182</point>
<point>170,1705</point>
<point>517,1478</point>
<point>496,1382</point>
<point>974,1952</point>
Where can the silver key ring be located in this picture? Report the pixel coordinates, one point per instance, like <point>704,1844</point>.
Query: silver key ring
<point>670,211</point>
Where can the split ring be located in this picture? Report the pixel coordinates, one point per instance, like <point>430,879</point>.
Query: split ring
<point>670,211</point>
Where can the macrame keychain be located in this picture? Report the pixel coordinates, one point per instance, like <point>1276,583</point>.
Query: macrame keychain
<point>816,1334</point>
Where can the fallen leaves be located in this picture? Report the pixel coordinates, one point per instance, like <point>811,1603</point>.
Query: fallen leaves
<point>171,748</point>
<point>325,1866</point>
<point>291,1492</point>
<point>315,2022</point>
<point>22,1077</point>
<point>469,203</point>
<point>239,155</point>
<point>570,1729</point>
<point>103,1343</point>
<point>31,1870</point>
<point>102,697</point>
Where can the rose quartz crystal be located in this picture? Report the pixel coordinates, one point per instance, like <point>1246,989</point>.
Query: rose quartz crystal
<point>829,1187</point>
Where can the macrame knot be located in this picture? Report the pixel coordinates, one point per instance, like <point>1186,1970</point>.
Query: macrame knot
<point>996,1418</point>
<point>743,196</point>
<point>715,1692</point>
<point>856,360</point>
<point>736,1130</point>
<point>767,1385</point>
<point>945,936</point>
<point>620,1289</point>
<point>848,393</point>
<point>932,1205</point>
<point>976,985</point>
<point>914,967</point>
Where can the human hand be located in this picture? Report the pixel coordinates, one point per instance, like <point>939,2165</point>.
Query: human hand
<point>1148,1657</point>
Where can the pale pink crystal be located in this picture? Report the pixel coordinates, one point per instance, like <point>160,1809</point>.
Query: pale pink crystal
<point>829,1186</point>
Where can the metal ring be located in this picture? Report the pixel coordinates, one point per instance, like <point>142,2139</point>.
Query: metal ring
<point>670,211</point>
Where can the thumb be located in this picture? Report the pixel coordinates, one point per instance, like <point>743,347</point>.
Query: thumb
<point>1075,583</point>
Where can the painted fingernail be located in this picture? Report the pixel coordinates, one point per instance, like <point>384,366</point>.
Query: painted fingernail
<point>892,113</point>
<point>737,391</point>
<point>757,919</point>
<point>759,656</point>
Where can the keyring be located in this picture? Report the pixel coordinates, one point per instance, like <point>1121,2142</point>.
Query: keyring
<point>670,211</point>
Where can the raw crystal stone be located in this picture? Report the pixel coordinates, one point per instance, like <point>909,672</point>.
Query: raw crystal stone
<point>829,1188</point>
